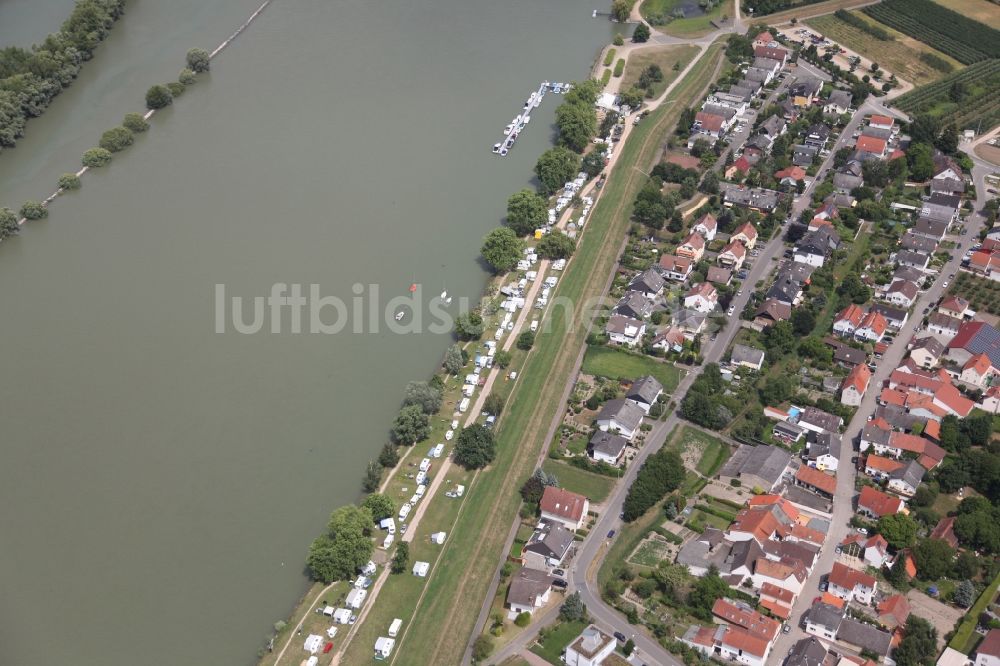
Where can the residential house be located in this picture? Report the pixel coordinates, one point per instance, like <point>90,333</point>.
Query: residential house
<point>746,233</point>
<point>865,637</point>
<point>917,243</point>
<point>926,351</point>
<point>702,297</point>
<point>741,167</point>
<point>817,135</point>
<point>978,371</point>
<point>876,132</point>
<point>727,111</point>
<point>906,479</point>
<point>932,229</point>
<point>955,306</point>
<point>852,390</point>
<point>874,503</point>
<point>733,255</point>
<point>845,182</point>
<point>529,590</point>
<point>634,305</point>
<point>815,419</point>
<point>691,322</point>
<point>872,327</point>
<point>823,451</point>
<point>669,339</point>
<point>548,546</point>
<point>871,145</point>
<point>949,181</point>
<point>707,226</point>
<point>902,293</point>
<point>945,530</point>
<point>974,338</point>
<point>620,415</point>
<point>817,222</point>
<point>848,320</point>
<point>590,648</point>
<point>622,330</point>
<point>876,433</point>
<point>692,248</point>
<point>773,127</point>
<point>850,584</point>
<point>815,246</point>
<point>756,466</point>
<point>708,126</point>
<point>918,260</point>
<point>873,550</point>
<point>803,155</point>
<point>838,103</point>
<point>675,268</point>
<point>941,208</point>
<point>763,39</point>
<point>823,621</point>
<point>988,652</point>
<point>755,198</point>
<point>881,122</point>
<point>747,357</point>
<point>719,275</point>
<point>736,102</point>
<point>791,176</point>
<point>985,263</point>
<point>648,283</point>
<point>562,506</point>
<point>805,90</point>
<point>771,311</point>
<point>644,392</point>
<point>772,53</point>
<point>943,325</point>
<point>606,447</point>
<point>819,482</point>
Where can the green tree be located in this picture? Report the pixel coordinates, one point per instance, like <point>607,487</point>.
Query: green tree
<point>158,97</point>
<point>803,321</point>
<point>620,9</point>
<point>187,77</point>
<point>411,426</point>
<point>641,33</point>
<point>176,88</point>
<point>526,211</point>
<point>381,506</point>
<point>618,40</point>
<point>475,447</point>
<point>482,648</point>
<point>69,181</point>
<point>523,619</point>
<point>919,644</point>
<point>593,163</point>
<point>965,594</point>
<point>502,249</point>
<point>898,529</point>
<point>577,125</point>
<point>373,476</point>
<point>388,456</point>
<point>454,359</point>
<point>198,60</point>
<point>135,123</point>
<point>96,158</point>
<point>897,575</point>
<point>8,223</point>
<point>629,647</point>
<point>345,547</point>
<point>556,245</point>
<point>780,338</point>
<point>502,359</point>
<point>531,491</point>
<point>573,609</point>
<point>401,558</point>
<point>526,340</point>
<point>469,326</point>
<point>706,591</point>
<point>34,210</point>
<point>778,389</point>
<point>493,404</point>
<point>116,139</point>
<point>424,396</point>
<point>933,558</point>
<point>555,167</point>
<point>921,160</point>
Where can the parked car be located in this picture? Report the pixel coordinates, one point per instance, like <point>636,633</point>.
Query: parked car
<point>620,636</point>
<point>611,534</point>
<point>558,572</point>
<point>560,583</point>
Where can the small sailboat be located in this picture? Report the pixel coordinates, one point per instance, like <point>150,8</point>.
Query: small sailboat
<point>447,301</point>
<point>444,294</point>
<point>400,314</point>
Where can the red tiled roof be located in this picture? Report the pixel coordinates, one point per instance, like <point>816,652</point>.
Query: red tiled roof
<point>858,377</point>
<point>562,503</point>
<point>811,476</point>
<point>793,172</point>
<point>953,399</point>
<point>932,429</point>
<point>848,578</point>
<point>905,442</point>
<point>871,144</point>
<point>710,121</point>
<point>881,464</point>
<point>990,644</point>
<point>880,120</point>
<point>747,230</point>
<point>878,503</point>
<point>832,600</point>
<point>742,164</point>
<point>779,593</point>
<point>708,221</point>
<point>945,530</point>
<point>749,620</point>
<point>745,641</point>
<point>875,321</point>
<point>955,304</point>
<point>851,313</point>
<point>694,240</point>
<point>764,37</point>
<point>981,364</point>
<point>897,606</point>
<point>673,263</point>
<point>736,248</point>
<point>703,289</point>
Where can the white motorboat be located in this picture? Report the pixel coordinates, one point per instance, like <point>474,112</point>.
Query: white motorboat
<point>496,147</point>
<point>444,294</point>
<point>399,315</point>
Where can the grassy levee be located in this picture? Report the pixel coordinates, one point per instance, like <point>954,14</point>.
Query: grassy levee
<point>965,636</point>
<point>446,616</point>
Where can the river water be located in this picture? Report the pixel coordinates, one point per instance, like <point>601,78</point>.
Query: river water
<point>160,482</point>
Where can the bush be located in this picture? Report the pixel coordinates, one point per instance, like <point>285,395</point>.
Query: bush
<point>523,619</point>
<point>619,68</point>
<point>618,40</point>
<point>135,123</point>
<point>96,157</point>
<point>609,57</point>
<point>187,77</point>
<point>176,88</point>
<point>69,181</point>
<point>116,139</point>
<point>34,210</point>
<point>158,97</point>
<point>526,340</point>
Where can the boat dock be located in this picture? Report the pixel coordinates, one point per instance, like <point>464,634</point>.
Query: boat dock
<point>517,125</point>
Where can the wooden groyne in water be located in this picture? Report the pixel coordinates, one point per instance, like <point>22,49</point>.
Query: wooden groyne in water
<point>149,114</point>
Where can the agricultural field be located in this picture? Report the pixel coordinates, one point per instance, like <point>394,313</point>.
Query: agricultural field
<point>983,11</point>
<point>619,364</point>
<point>967,98</point>
<point>962,38</point>
<point>667,58</point>
<point>900,54</point>
<point>804,10</point>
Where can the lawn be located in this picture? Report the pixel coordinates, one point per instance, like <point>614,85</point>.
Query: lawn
<point>983,11</point>
<point>444,619</point>
<point>666,57</point>
<point>901,55</point>
<point>804,11</point>
<point>556,641</point>
<point>649,553</point>
<point>690,26</point>
<point>619,364</point>
<point>700,450</point>
<point>594,487</point>
<point>699,520</point>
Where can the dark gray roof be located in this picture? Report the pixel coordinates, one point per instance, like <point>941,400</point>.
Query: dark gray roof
<point>819,418</point>
<point>911,474</point>
<point>803,551</point>
<point>807,652</point>
<point>552,540</point>
<point>744,354</point>
<point>634,304</point>
<point>875,435</point>
<point>805,86</point>
<point>648,281</point>
<point>876,132</point>
<point>527,585</point>
<point>890,313</point>
<point>607,443</point>
<point>803,155</point>
<point>897,417</point>
<point>912,241</point>
<point>767,462</point>
<point>744,553</point>
<point>622,411</point>
<point>645,389</point>
<point>931,344</point>
<point>796,271</point>
<point>932,228</point>
<point>840,98</point>
<point>846,181</point>
<point>915,259</point>
<point>752,197</point>
<point>825,444</point>
<point>784,289</point>
<point>766,63</point>
<point>864,636</point>
<point>825,615</point>
<point>726,112</point>
<point>772,126</point>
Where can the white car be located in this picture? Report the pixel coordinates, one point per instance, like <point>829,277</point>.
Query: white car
<point>731,310</point>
